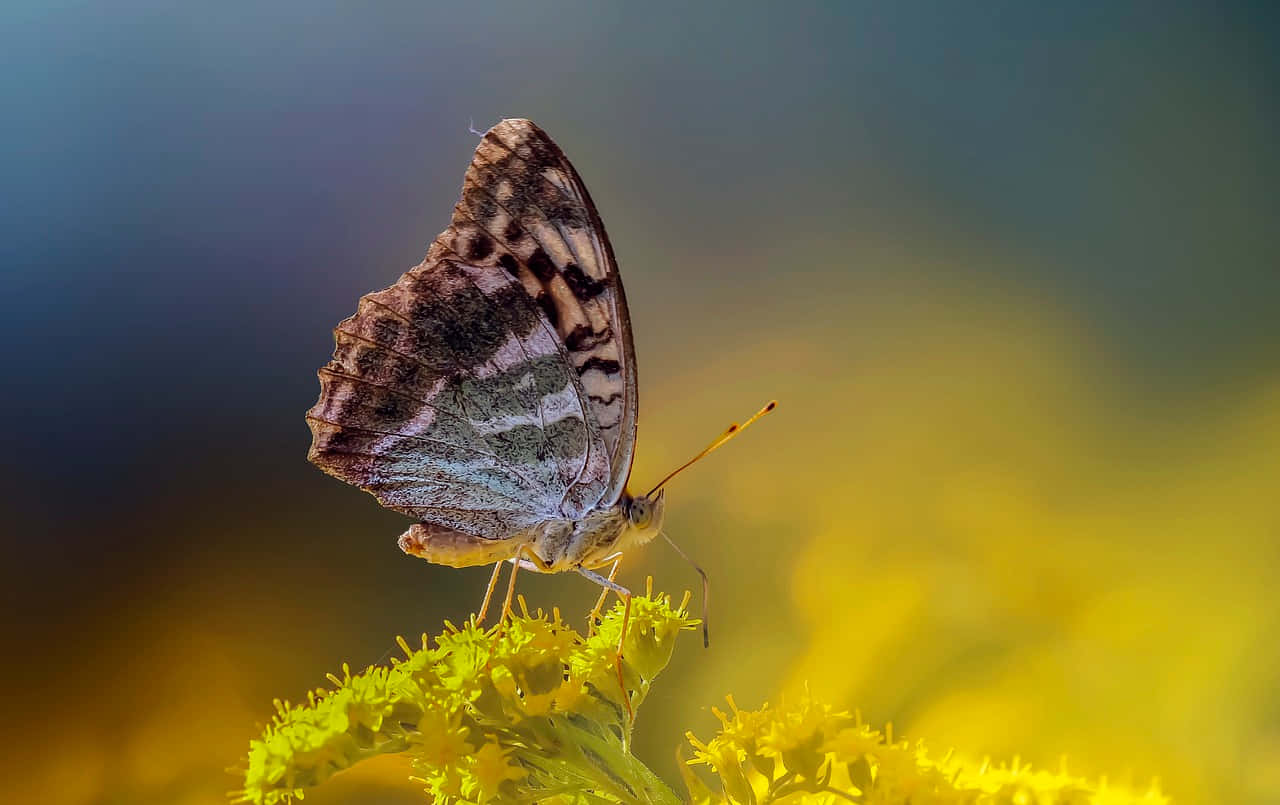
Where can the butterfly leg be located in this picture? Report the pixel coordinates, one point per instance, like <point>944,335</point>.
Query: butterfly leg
<point>604,593</point>
<point>625,595</point>
<point>517,562</point>
<point>488,593</point>
<point>511,590</point>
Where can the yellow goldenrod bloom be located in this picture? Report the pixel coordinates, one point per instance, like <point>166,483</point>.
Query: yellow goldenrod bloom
<point>531,711</point>
<point>803,751</point>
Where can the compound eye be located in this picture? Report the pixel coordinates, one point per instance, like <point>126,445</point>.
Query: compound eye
<point>641,513</point>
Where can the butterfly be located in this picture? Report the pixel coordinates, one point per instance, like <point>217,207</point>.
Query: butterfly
<point>490,393</point>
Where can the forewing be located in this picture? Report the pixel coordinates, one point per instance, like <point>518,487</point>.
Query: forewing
<point>525,208</point>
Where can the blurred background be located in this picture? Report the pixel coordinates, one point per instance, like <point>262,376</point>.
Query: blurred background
<point>1011,269</point>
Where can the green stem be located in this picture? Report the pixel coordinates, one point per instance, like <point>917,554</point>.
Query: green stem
<point>776,786</point>
<point>606,762</point>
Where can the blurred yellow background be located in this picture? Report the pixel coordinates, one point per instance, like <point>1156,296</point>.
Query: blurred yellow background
<point>1010,271</point>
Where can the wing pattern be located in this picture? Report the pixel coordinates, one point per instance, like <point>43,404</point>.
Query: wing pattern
<point>492,387</point>
<point>524,200</point>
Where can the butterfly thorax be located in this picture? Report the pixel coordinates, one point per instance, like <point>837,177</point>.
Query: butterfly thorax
<point>598,537</point>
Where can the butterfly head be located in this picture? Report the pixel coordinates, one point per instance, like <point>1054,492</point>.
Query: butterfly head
<point>644,515</point>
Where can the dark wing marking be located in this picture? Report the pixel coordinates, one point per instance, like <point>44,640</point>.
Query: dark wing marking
<point>524,208</point>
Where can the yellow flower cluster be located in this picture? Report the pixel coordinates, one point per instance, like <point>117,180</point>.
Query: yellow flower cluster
<point>531,711</point>
<point>804,751</point>
<point>527,711</point>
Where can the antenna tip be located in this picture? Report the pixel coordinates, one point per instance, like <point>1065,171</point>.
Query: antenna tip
<point>772,405</point>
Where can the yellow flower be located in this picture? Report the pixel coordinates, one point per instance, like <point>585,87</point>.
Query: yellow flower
<point>442,740</point>
<point>571,695</point>
<point>810,753</point>
<point>548,727</point>
<point>717,754</point>
<point>726,759</point>
<point>797,733</point>
<point>851,743</point>
<point>897,772</point>
<point>544,706</point>
<point>503,680</point>
<point>489,770</point>
<point>444,785</point>
<point>745,727</point>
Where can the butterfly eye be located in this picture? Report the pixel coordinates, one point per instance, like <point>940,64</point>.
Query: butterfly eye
<point>640,513</point>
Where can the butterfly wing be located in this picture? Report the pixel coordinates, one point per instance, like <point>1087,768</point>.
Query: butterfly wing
<point>523,197</point>
<point>453,396</point>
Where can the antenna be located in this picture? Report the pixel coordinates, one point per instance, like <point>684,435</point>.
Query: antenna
<point>706,591</point>
<point>730,432</point>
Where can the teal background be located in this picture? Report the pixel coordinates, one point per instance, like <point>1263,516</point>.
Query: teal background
<point>1023,241</point>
